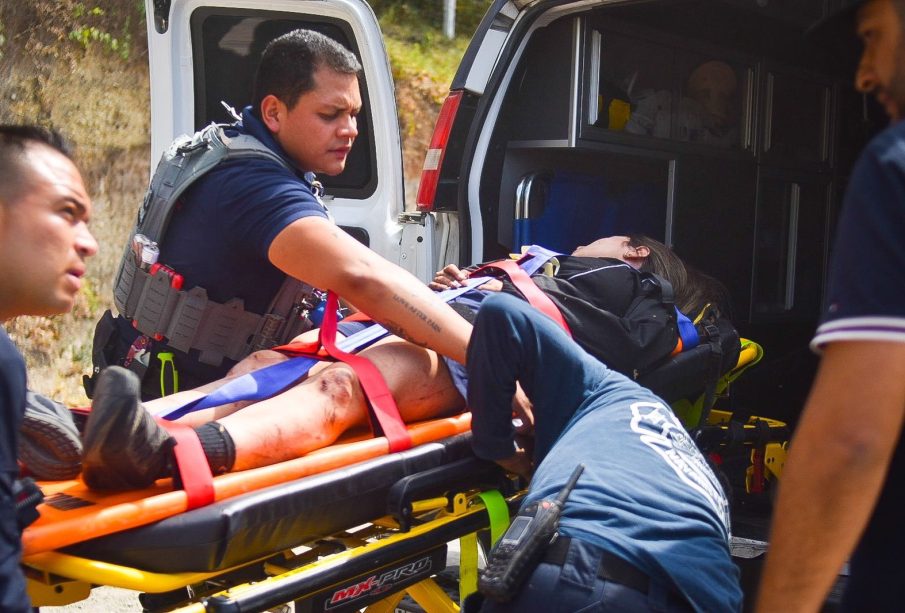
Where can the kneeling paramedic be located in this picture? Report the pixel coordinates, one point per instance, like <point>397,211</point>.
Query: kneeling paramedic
<point>646,526</point>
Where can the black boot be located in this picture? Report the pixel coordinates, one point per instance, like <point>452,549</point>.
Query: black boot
<point>124,446</point>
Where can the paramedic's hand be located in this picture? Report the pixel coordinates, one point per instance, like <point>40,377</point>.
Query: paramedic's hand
<point>518,463</point>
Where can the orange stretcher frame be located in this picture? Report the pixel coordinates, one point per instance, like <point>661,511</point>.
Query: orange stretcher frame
<point>72,513</point>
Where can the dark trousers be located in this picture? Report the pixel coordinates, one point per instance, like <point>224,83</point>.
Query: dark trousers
<point>877,580</point>
<point>574,586</point>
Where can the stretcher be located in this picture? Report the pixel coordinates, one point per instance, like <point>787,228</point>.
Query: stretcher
<point>406,505</point>
<point>342,528</point>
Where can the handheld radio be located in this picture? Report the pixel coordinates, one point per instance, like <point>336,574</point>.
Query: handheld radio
<point>519,549</point>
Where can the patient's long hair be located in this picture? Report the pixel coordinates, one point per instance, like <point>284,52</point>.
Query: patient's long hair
<point>693,289</point>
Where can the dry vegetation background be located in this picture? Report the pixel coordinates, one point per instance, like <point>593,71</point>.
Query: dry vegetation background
<point>81,68</point>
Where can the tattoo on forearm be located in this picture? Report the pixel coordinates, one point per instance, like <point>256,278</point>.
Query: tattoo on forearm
<point>397,329</point>
<point>408,306</point>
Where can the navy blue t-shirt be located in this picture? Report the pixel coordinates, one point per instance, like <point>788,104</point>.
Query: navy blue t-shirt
<point>222,228</point>
<point>12,405</point>
<point>866,302</point>
<point>866,291</point>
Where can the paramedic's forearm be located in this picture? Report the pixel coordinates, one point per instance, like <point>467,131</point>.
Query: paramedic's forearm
<point>835,471</point>
<point>319,253</point>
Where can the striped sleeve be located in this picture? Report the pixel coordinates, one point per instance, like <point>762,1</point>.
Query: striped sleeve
<point>860,329</point>
<point>866,281</point>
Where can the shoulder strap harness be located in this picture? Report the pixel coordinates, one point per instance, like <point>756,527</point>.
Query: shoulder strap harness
<point>187,318</point>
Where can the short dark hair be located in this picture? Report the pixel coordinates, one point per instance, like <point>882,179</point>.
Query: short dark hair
<point>14,140</point>
<point>288,64</point>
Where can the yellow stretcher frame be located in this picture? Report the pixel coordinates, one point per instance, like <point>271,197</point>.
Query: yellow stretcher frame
<point>56,579</point>
<point>767,459</point>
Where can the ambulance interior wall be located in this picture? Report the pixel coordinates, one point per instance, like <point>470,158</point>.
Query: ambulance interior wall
<point>752,203</point>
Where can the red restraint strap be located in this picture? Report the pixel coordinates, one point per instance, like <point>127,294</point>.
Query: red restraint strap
<point>382,403</point>
<point>310,349</point>
<point>194,471</point>
<point>532,293</point>
<point>375,388</point>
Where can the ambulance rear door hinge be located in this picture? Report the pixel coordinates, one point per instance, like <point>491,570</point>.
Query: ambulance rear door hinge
<point>412,217</point>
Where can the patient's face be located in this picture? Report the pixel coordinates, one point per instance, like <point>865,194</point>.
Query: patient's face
<point>609,247</point>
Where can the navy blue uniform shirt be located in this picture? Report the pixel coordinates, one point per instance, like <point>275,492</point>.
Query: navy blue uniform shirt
<point>12,405</point>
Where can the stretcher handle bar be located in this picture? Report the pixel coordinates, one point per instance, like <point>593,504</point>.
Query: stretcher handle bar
<point>756,433</point>
<point>105,573</point>
<point>466,474</point>
<point>303,581</point>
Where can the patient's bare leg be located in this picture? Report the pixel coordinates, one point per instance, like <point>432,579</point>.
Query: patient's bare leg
<point>316,412</point>
<point>126,448</point>
<point>255,361</point>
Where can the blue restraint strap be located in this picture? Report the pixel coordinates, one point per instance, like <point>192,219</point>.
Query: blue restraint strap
<point>687,332</point>
<point>539,257</point>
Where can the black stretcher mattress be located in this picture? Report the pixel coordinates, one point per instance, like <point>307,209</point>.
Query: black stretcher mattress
<point>241,529</point>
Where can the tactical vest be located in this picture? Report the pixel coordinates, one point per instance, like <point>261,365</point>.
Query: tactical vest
<point>188,319</point>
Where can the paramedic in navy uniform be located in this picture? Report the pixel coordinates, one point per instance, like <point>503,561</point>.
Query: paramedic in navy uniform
<point>844,481</point>
<point>44,241</point>
<point>248,223</point>
<point>647,526</point>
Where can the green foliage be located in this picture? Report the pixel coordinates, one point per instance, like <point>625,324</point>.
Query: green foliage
<point>81,10</point>
<point>93,26</point>
<point>434,55</point>
<point>414,39</point>
<point>414,16</point>
<point>86,35</point>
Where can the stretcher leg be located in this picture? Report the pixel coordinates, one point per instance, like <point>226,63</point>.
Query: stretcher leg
<point>431,597</point>
<point>468,565</point>
<point>387,605</point>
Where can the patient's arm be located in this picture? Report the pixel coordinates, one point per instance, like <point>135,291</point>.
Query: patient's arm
<point>452,277</point>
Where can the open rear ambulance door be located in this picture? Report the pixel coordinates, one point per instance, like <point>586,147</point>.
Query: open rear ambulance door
<point>203,52</point>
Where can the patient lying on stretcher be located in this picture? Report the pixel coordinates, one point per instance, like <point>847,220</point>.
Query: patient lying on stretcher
<point>615,310</point>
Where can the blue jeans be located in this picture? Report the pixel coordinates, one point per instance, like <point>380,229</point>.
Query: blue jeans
<point>512,341</point>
